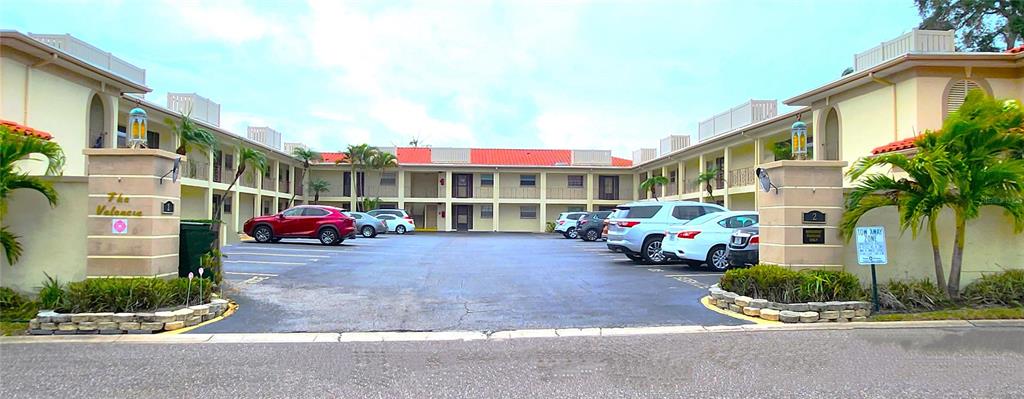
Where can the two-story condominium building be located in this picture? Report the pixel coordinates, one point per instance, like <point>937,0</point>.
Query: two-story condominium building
<point>483,189</point>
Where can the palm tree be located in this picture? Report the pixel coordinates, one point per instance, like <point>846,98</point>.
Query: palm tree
<point>706,178</point>
<point>247,158</point>
<point>381,161</point>
<point>307,156</point>
<point>979,145</point>
<point>15,147</point>
<point>191,136</point>
<point>319,186</point>
<point>357,156</point>
<point>652,183</point>
<point>915,196</point>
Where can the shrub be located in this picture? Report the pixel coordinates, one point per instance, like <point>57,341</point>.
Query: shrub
<point>51,294</point>
<point>549,227</point>
<point>211,264</point>
<point>15,307</point>
<point>128,295</point>
<point>911,295</point>
<point>779,284</point>
<point>1006,289</point>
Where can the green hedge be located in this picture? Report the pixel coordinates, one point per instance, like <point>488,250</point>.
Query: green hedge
<point>1004,289</point>
<point>779,284</point>
<point>15,307</point>
<point>122,294</point>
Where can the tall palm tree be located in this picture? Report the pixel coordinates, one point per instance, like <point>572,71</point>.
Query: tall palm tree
<point>706,178</point>
<point>980,145</point>
<point>318,186</point>
<point>15,147</point>
<point>381,161</point>
<point>652,183</point>
<point>307,156</point>
<point>357,156</point>
<point>191,136</point>
<point>917,196</point>
<point>247,158</point>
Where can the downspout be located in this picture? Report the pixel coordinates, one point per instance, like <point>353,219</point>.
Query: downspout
<point>886,82</point>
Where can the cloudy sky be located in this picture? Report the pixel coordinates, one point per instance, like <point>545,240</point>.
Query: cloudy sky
<point>522,74</point>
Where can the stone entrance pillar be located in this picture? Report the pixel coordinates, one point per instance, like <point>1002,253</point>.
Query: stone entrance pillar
<point>133,216</point>
<point>799,222</point>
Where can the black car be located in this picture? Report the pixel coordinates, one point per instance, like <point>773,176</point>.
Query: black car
<point>742,250</point>
<point>591,225</point>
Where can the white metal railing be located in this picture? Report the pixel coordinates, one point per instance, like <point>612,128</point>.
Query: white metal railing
<point>197,167</point>
<point>93,55</point>
<point>483,192</point>
<point>915,41</point>
<point>741,177</point>
<point>752,111</point>
<point>196,106</point>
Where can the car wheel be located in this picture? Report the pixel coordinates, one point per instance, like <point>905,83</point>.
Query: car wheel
<point>368,231</point>
<point>591,235</point>
<point>329,236</point>
<point>263,234</point>
<point>571,233</point>
<point>651,250</point>
<point>400,229</point>
<point>717,259</point>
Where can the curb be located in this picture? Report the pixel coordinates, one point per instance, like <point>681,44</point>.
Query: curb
<point>232,306</point>
<point>706,301</point>
<point>419,336</point>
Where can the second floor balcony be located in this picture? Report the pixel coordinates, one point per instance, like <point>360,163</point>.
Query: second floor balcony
<point>742,177</point>
<point>573,193</point>
<point>521,192</point>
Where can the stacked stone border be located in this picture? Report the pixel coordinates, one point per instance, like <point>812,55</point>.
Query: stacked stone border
<point>807,312</point>
<point>53,323</point>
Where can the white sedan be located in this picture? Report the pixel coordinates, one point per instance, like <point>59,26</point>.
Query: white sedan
<point>704,239</point>
<point>397,224</point>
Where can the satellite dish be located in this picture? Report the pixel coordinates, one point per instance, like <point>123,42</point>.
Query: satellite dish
<point>176,172</point>
<point>766,182</point>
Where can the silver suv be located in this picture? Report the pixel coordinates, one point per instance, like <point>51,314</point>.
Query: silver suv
<point>637,228</point>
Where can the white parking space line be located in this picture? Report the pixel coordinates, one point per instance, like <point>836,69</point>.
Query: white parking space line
<point>252,274</point>
<point>273,254</point>
<point>257,262</point>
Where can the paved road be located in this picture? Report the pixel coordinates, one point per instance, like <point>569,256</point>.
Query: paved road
<point>956,363</point>
<point>451,281</point>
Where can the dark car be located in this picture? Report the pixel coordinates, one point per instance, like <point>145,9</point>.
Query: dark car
<point>590,227</point>
<point>743,247</point>
<point>326,223</point>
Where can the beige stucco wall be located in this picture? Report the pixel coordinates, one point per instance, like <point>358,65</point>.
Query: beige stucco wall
<point>481,224</point>
<point>742,202</point>
<point>991,247</point>
<point>193,203</point>
<point>53,239</point>
<point>510,220</point>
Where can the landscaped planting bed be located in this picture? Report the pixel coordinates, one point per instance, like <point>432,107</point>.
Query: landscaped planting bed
<point>49,322</point>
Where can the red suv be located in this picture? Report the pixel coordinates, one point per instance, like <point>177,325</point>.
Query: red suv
<point>326,223</point>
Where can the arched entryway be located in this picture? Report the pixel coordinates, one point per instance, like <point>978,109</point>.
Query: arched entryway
<point>830,136</point>
<point>98,132</point>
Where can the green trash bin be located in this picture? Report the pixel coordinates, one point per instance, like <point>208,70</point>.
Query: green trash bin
<point>194,241</point>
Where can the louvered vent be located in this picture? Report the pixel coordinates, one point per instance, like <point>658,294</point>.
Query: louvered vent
<point>958,93</point>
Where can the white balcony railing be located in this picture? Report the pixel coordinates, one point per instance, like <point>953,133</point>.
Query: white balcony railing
<point>573,193</point>
<point>915,41</point>
<point>520,192</point>
<point>742,177</point>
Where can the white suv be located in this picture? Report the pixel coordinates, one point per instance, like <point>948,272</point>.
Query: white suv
<point>638,227</point>
<point>566,224</point>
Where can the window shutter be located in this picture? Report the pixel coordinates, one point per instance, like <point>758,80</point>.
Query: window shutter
<point>958,93</point>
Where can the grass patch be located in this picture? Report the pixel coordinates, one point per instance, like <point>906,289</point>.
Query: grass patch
<point>995,313</point>
<point>8,328</point>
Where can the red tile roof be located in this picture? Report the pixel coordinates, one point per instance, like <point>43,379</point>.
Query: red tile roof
<point>25,130</point>
<point>898,145</point>
<point>486,156</point>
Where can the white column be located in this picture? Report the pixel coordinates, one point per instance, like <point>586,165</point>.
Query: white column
<point>209,183</point>
<point>701,168</point>
<point>448,200</point>
<point>495,193</point>
<point>542,211</point>
<point>725,176</point>
<point>590,191</point>
<point>757,163</point>
<point>401,188</point>
<point>680,178</point>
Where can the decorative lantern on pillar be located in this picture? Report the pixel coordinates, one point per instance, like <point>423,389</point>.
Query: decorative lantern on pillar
<point>137,128</point>
<point>799,139</point>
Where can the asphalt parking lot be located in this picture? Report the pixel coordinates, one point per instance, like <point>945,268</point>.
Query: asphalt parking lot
<point>454,281</point>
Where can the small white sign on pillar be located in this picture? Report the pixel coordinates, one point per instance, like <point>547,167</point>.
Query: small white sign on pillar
<point>119,226</point>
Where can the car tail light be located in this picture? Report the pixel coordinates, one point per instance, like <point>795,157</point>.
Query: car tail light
<point>754,240</point>
<point>627,224</point>
<point>561,222</point>
<point>687,234</point>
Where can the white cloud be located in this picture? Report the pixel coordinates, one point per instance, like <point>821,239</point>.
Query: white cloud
<point>409,119</point>
<point>229,20</point>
